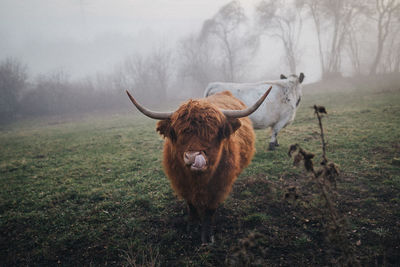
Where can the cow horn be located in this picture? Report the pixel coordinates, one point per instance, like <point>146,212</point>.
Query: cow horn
<point>247,111</point>
<point>149,113</point>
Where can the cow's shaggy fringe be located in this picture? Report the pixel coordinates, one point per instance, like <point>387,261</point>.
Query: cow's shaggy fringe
<point>324,178</point>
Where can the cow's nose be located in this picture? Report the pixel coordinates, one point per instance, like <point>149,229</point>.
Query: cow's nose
<point>190,156</point>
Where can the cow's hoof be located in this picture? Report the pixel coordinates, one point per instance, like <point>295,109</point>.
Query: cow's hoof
<point>271,146</point>
<point>206,240</point>
<point>207,235</point>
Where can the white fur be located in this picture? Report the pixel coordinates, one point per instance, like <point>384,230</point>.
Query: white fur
<point>277,111</point>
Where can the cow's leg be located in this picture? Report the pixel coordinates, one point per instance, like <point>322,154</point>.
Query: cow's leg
<point>193,216</point>
<point>207,235</point>
<point>275,130</point>
<point>274,141</point>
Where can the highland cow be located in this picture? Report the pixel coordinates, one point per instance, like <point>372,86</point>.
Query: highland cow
<point>208,142</point>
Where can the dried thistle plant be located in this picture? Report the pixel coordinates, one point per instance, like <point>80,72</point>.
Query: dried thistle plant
<point>325,179</point>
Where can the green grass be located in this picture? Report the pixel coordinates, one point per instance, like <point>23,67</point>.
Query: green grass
<point>92,191</point>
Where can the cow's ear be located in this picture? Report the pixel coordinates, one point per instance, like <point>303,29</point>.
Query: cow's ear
<point>164,128</point>
<point>283,77</point>
<point>301,77</point>
<point>229,127</point>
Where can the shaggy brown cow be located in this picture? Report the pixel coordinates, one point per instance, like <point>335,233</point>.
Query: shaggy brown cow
<point>208,142</point>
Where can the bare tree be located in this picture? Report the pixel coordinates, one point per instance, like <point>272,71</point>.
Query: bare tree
<point>396,48</point>
<point>354,49</point>
<point>231,32</point>
<point>148,75</point>
<point>391,53</point>
<point>197,61</point>
<point>340,15</point>
<point>161,70</point>
<point>285,23</point>
<point>316,11</point>
<point>53,92</point>
<point>386,14</point>
<point>332,20</point>
<point>13,77</point>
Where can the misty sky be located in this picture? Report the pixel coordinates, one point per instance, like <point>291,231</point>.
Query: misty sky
<point>83,37</point>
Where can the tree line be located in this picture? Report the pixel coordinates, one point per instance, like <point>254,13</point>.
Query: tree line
<point>355,37</point>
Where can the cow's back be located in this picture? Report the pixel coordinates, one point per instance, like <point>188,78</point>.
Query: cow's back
<point>276,107</point>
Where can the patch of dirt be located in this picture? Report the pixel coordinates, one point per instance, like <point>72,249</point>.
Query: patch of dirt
<point>294,228</point>
<point>268,222</point>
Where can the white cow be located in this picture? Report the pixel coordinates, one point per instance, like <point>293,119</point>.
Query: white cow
<point>277,111</point>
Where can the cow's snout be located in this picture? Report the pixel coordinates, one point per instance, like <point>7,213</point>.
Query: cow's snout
<point>196,160</point>
<point>190,156</point>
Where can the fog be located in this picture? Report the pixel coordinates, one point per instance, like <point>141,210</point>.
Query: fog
<point>68,56</point>
<point>87,36</point>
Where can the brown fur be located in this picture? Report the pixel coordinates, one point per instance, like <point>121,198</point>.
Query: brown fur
<point>199,125</point>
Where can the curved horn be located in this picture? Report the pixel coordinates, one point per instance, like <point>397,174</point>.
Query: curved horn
<point>247,111</point>
<point>149,113</point>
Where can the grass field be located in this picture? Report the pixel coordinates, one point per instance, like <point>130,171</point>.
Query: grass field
<point>92,192</point>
